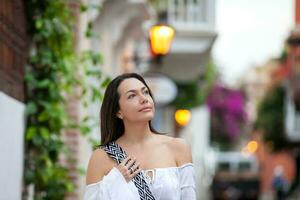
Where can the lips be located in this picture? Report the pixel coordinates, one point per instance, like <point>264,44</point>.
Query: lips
<point>148,108</point>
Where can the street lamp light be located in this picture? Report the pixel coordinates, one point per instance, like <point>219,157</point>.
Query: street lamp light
<point>182,117</point>
<point>161,37</point>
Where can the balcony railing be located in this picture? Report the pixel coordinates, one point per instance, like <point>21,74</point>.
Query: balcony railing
<point>191,14</point>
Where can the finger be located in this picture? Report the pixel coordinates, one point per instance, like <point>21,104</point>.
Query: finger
<point>125,161</point>
<point>131,163</point>
<point>135,166</point>
<point>127,174</point>
<point>130,171</point>
<point>136,172</point>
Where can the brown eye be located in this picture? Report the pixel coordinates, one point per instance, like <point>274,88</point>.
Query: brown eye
<point>146,92</point>
<point>131,96</point>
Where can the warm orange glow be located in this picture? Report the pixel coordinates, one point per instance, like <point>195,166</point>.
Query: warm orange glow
<point>252,146</point>
<point>161,37</point>
<point>182,117</point>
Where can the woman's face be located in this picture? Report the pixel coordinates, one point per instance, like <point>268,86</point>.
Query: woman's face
<point>136,104</point>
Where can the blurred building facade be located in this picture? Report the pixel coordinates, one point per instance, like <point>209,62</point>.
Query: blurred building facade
<point>118,28</point>
<point>122,27</point>
<point>194,22</point>
<point>256,83</point>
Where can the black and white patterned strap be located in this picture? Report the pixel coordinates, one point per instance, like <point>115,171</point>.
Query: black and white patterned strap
<point>118,154</point>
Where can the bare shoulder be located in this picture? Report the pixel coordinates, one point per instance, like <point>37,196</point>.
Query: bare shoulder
<point>164,139</point>
<point>181,150</point>
<point>99,165</point>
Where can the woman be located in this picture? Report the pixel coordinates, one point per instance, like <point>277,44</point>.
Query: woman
<point>163,163</point>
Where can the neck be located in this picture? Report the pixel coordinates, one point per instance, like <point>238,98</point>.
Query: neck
<point>136,133</point>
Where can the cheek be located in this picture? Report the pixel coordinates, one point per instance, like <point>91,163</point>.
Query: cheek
<point>151,100</point>
<point>152,104</point>
<point>128,106</point>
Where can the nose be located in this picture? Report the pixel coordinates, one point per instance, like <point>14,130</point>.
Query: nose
<point>143,99</point>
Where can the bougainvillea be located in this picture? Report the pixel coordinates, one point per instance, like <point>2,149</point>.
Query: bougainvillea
<point>228,116</point>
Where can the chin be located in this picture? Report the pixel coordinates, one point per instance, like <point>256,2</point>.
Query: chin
<point>146,118</point>
<point>149,118</point>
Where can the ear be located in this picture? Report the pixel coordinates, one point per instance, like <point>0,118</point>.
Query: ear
<point>119,115</point>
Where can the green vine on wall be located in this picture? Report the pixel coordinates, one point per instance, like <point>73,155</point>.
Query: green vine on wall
<point>54,73</point>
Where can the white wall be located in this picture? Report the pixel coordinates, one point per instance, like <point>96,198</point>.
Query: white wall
<point>11,147</point>
<point>196,134</point>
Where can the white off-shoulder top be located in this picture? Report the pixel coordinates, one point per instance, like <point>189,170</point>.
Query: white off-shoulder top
<point>170,183</point>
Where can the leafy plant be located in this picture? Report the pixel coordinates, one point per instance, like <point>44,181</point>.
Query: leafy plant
<point>270,118</point>
<point>53,74</point>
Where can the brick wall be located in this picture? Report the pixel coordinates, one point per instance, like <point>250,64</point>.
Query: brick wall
<point>72,137</point>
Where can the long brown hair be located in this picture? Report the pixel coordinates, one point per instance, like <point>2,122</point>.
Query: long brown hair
<point>112,127</point>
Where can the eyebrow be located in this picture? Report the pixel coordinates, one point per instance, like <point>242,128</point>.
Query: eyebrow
<point>143,88</point>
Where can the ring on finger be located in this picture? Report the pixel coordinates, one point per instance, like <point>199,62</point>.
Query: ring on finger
<point>131,165</point>
<point>131,170</point>
<point>127,162</point>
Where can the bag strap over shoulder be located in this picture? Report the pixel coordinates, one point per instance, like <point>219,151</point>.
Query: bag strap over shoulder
<point>118,154</point>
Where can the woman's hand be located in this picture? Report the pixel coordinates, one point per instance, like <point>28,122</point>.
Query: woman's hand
<point>129,168</point>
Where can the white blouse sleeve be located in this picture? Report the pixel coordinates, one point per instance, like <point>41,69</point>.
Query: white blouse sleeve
<point>113,186</point>
<point>187,182</point>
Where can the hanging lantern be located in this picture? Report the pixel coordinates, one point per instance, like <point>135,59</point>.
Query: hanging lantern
<point>182,117</point>
<point>161,37</point>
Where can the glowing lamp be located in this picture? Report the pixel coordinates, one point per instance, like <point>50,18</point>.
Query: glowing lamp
<point>182,117</point>
<point>161,37</point>
<point>252,146</point>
